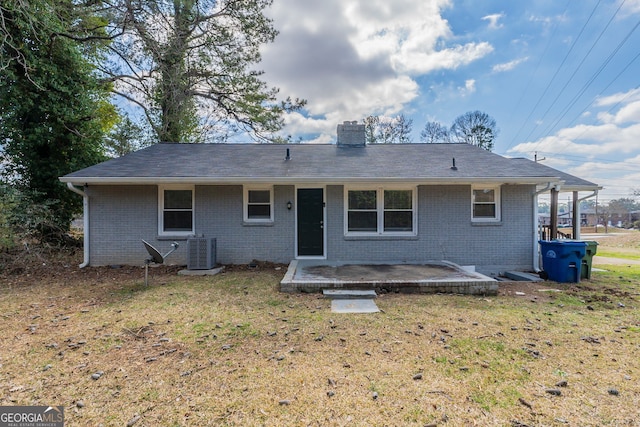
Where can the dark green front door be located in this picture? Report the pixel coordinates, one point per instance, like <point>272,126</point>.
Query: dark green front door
<point>310,222</point>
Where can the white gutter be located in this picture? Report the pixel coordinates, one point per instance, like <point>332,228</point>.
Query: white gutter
<point>536,257</point>
<point>85,214</point>
<point>238,180</point>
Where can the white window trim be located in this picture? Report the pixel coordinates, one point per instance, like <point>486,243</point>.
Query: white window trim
<point>496,192</point>
<point>380,210</point>
<point>245,203</point>
<point>161,189</point>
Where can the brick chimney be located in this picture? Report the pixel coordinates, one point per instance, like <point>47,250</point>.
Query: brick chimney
<point>351,134</point>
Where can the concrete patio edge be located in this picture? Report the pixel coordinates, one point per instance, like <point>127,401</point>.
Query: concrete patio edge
<point>471,283</point>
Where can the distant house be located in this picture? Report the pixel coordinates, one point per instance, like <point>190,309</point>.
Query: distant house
<point>349,202</point>
<point>616,219</point>
<point>565,219</point>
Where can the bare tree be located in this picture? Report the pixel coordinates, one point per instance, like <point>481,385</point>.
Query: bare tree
<point>190,66</point>
<point>475,128</point>
<point>404,126</point>
<point>388,130</point>
<point>434,132</point>
<point>371,124</point>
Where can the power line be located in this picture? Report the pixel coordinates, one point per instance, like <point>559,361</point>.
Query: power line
<point>579,158</point>
<point>584,88</point>
<point>544,53</point>
<point>575,41</point>
<point>613,107</point>
<point>577,68</point>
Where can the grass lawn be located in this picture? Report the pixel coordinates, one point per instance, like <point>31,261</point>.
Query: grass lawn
<point>623,253</point>
<point>232,350</point>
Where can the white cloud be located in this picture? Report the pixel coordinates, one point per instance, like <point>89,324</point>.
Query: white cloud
<point>588,141</point>
<point>410,33</point>
<point>493,20</point>
<point>631,7</point>
<point>547,20</point>
<point>469,87</point>
<point>618,178</point>
<point>620,97</point>
<point>508,66</point>
<point>416,62</point>
<point>351,59</point>
<point>616,132</point>
<point>608,151</point>
<point>630,113</point>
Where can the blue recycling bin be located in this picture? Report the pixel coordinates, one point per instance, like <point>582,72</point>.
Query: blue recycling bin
<point>562,259</point>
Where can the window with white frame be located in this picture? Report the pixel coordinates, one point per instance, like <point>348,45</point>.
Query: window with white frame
<point>485,203</point>
<point>176,211</point>
<point>258,204</point>
<point>380,211</point>
<point>362,211</point>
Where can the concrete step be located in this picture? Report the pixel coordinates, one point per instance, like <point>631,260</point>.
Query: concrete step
<point>354,306</point>
<point>349,293</point>
<point>522,276</point>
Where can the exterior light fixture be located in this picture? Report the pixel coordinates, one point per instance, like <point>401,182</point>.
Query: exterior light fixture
<point>289,205</point>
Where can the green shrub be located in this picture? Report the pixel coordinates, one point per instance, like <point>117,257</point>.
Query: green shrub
<point>22,219</point>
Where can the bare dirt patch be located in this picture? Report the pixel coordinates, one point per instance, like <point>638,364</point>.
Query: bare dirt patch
<point>539,292</point>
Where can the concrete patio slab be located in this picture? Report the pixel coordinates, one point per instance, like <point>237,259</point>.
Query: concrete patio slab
<point>431,277</point>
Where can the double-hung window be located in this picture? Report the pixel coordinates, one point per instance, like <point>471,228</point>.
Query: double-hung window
<point>398,211</point>
<point>485,203</point>
<point>258,204</point>
<point>176,211</point>
<point>380,211</point>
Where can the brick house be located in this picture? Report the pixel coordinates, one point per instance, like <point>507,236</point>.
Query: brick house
<point>405,203</point>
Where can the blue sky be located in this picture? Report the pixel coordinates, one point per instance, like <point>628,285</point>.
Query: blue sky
<point>560,77</point>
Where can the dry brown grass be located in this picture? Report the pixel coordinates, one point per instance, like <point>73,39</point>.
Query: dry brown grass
<point>232,350</point>
<point>622,244</point>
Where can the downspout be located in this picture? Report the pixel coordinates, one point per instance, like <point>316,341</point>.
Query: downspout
<point>85,214</point>
<point>536,258</point>
<point>576,213</point>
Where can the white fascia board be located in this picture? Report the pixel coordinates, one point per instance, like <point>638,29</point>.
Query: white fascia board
<point>302,180</point>
<point>571,188</point>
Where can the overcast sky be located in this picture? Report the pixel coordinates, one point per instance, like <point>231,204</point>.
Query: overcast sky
<point>560,77</point>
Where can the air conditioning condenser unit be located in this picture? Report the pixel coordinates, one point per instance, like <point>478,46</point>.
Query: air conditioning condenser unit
<point>201,253</point>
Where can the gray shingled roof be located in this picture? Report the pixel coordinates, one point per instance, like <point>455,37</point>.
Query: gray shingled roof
<point>240,163</point>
